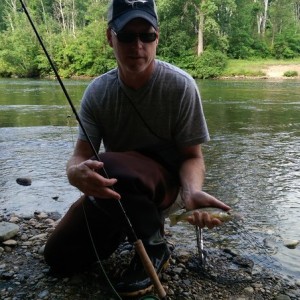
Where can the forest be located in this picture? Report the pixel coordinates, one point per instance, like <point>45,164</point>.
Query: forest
<point>196,35</point>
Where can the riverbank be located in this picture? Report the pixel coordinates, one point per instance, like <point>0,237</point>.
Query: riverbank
<point>266,69</point>
<point>24,274</point>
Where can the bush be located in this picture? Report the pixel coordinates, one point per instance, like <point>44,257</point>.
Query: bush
<point>290,74</point>
<point>210,64</point>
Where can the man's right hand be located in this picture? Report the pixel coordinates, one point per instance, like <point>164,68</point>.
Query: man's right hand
<point>85,177</point>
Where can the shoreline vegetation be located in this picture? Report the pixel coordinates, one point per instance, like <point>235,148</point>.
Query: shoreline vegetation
<point>238,69</point>
<point>262,69</point>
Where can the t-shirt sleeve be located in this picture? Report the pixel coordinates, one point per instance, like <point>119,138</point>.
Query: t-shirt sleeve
<point>88,119</point>
<point>191,126</point>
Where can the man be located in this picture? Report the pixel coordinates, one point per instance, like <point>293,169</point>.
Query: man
<point>149,117</point>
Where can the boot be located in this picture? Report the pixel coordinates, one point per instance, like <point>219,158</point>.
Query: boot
<point>134,280</point>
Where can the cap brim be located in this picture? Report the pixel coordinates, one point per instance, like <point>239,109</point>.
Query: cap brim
<point>121,21</point>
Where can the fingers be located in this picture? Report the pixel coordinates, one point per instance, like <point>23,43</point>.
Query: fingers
<point>209,200</point>
<point>202,199</point>
<point>88,180</point>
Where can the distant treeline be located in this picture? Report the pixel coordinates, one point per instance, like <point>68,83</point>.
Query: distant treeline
<point>197,35</point>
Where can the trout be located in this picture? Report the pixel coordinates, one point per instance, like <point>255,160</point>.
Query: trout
<point>222,215</point>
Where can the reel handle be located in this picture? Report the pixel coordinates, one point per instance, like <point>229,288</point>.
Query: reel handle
<point>149,268</point>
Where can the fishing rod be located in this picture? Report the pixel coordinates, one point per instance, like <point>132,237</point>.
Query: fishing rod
<point>139,247</point>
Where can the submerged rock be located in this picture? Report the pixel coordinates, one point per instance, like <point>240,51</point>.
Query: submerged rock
<point>24,181</point>
<point>291,244</point>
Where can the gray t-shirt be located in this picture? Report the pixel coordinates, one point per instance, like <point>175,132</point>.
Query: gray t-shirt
<point>167,110</point>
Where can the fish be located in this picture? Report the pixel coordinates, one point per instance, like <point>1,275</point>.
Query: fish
<point>222,215</point>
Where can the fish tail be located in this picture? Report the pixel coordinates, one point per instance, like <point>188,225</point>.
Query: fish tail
<point>173,220</point>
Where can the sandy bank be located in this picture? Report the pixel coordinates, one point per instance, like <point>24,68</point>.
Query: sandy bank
<point>277,71</point>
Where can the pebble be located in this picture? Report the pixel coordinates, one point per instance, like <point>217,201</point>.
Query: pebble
<point>25,181</point>
<point>249,290</point>
<point>10,243</point>
<point>282,297</point>
<point>24,274</point>
<point>291,244</point>
<point>8,230</point>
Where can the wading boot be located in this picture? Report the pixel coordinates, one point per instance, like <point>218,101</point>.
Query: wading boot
<point>134,280</point>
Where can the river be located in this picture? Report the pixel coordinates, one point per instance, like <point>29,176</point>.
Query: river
<point>252,160</point>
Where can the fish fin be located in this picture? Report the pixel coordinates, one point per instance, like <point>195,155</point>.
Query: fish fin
<point>173,220</point>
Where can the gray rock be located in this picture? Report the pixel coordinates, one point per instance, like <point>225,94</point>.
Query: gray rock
<point>8,230</point>
<point>282,297</point>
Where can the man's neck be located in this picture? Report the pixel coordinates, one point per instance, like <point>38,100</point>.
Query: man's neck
<point>136,80</point>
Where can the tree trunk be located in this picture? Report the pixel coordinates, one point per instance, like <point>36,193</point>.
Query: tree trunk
<point>73,18</point>
<point>60,14</point>
<point>264,17</point>
<point>12,4</point>
<point>200,34</point>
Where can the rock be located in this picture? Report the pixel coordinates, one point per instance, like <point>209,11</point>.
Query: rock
<point>249,290</point>
<point>291,244</point>
<point>41,250</point>
<point>7,275</point>
<point>40,215</point>
<point>8,230</point>
<point>10,243</point>
<point>282,297</point>
<point>25,275</point>
<point>44,294</point>
<point>14,219</point>
<point>24,181</point>
<point>178,270</point>
<point>55,216</point>
<point>38,236</point>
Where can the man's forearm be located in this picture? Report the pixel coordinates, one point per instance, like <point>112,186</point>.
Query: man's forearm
<point>192,174</point>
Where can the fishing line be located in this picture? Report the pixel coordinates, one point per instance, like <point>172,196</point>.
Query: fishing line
<point>98,258</point>
<point>235,262</point>
<point>139,247</point>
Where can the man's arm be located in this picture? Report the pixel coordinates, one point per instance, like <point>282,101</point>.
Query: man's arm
<point>192,173</point>
<point>82,173</point>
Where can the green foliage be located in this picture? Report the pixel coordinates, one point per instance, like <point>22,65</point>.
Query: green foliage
<point>209,65</point>
<point>287,46</point>
<point>177,34</point>
<point>18,52</point>
<point>75,35</point>
<point>290,74</point>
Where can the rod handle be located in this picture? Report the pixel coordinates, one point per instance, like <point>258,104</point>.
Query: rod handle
<point>149,268</point>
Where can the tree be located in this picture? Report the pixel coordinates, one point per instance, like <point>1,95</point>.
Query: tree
<point>262,16</point>
<point>285,26</point>
<point>177,28</point>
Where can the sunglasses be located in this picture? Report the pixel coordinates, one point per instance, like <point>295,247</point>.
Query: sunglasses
<point>130,37</point>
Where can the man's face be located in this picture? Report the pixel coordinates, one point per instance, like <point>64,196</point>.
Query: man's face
<point>135,56</point>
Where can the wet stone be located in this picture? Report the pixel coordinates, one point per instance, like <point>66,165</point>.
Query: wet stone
<point>25,275</point>
<point>8,230</point>
<point>25,181</point>
<point>10,243</point>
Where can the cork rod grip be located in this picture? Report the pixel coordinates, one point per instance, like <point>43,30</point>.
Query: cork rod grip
<point>149,268</point>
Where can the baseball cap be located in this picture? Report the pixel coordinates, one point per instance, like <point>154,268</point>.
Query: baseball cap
<point>120,12</point>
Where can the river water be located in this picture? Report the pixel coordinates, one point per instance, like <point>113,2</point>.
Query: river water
<point>252,160</point>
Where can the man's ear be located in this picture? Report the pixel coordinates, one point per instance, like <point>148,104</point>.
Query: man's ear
<point>109,36</point>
